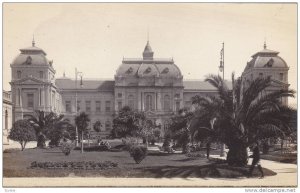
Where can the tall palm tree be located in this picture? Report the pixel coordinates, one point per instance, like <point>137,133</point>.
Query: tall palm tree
<point>245,114</point>
<point>42,122</point>
<point>81,122</point>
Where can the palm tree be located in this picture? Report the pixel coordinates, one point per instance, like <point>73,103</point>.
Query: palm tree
<point>243,114</point>
<point>81,122</point>
<point>42,123</point>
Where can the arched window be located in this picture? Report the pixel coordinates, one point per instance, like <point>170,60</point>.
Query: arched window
<point>167,103</point>
<point>131,101</point>
<point>149,103</point>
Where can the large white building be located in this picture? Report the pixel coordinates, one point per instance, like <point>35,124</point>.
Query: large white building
<point>153,85</point>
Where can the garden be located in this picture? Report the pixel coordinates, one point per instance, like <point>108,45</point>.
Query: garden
<point>189,147</point>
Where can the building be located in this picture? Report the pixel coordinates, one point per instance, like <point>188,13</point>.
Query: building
<point>152,85</point>
<point>6,115</point>
<point>267,63</point>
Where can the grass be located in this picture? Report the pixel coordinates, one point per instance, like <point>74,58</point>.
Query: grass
<point>17,164</point>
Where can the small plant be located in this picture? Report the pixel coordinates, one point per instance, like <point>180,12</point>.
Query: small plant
<point>66,147</point>
<point>138,153</point>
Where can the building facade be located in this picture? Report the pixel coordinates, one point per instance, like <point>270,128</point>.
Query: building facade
<point>6,115</point>
<point>152,85</point>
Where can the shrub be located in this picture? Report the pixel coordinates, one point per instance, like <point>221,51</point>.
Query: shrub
<point>66,147</point>
<point>138,153</point>
<point>90,165</point>
<point>22,132</point>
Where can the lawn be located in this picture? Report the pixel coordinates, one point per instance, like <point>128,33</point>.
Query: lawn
<point>17,164</point>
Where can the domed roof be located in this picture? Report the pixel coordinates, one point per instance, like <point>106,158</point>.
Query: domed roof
<point>266,59</point>
<point>32,56</point>
<point>148,66</point>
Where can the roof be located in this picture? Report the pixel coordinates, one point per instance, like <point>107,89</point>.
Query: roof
<point>201,85</point>
<point>103,85</point>
<point>266,58</point>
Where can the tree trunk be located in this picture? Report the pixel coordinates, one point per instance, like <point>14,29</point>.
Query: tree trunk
<point>237,155</point>
<point>41,141</point>
<point>81,142</point>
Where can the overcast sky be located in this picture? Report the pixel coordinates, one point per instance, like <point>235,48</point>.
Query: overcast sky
<point>95,37</point>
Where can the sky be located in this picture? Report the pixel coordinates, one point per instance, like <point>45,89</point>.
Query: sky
<point>94,37</point>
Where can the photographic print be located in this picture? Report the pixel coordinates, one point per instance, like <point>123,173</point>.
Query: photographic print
<point>149,95</point>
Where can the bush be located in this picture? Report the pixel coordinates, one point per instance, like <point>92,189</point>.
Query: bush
<point>138,153</point>
<point>66,147</point>
<point>22,132</point>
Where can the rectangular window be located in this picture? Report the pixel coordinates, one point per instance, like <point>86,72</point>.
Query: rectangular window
<point>88,106</point>
<point>30,100</point>
<point>107,126</point>
<point>98,106</point>
<point>177,106</point>
<point>261,75</point>
<point>119,105</point>
<point>187,103</point>
<point>281,76</point>
<point>68,106</point>
<point>119,95</point>
<point>41,74</point>
<point>19,74</point>
<point>107,106</point>
<point>78,106</point>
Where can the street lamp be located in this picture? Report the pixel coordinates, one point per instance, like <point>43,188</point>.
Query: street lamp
<point>76,110</point>
<point>222,69</point>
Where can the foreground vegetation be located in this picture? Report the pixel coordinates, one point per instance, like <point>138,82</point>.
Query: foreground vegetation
<point>18,164</point>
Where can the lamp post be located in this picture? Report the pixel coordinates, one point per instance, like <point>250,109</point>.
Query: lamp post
<point>222,69</point>
<point>76,110</point>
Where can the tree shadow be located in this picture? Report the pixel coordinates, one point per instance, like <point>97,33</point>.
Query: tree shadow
<point>204,171</point>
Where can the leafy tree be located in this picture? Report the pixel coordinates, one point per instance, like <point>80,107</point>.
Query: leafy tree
<point>43,123</point>
<point>81,122</point>
<point>22,132</point>
<point>244,115</point>
<point>60,130</point>
<point>97,126</point>
<point>178,129</point>
<point>128,123</point>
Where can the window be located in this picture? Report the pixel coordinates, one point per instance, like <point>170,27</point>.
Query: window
<point>30,102</point>
<point>68,106</point>
<point>177,106</point>
<point>187,103</point>
<point>41,74</point>
<point>107,125</point>
<point>131,101</point>
<point>281,76</point>
<point>177,96</point>
<point>98,106</point>
<point>261,75</point>
<point>167,105</point>
<point>107,106</point>
<point>119,105</point>
<point>88,106</point>
<point>119,95</point>
<point>19,74</point>
<point>251,77</point>
<point>149,103</point>
<point>78,106</point>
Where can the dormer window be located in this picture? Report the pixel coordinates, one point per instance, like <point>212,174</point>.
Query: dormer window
<point>269,63</point>
<point>28,60</point>
<point>165,71</point>
<point>130,70</point>
<point>41,74</point>
<point>148,70</point>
